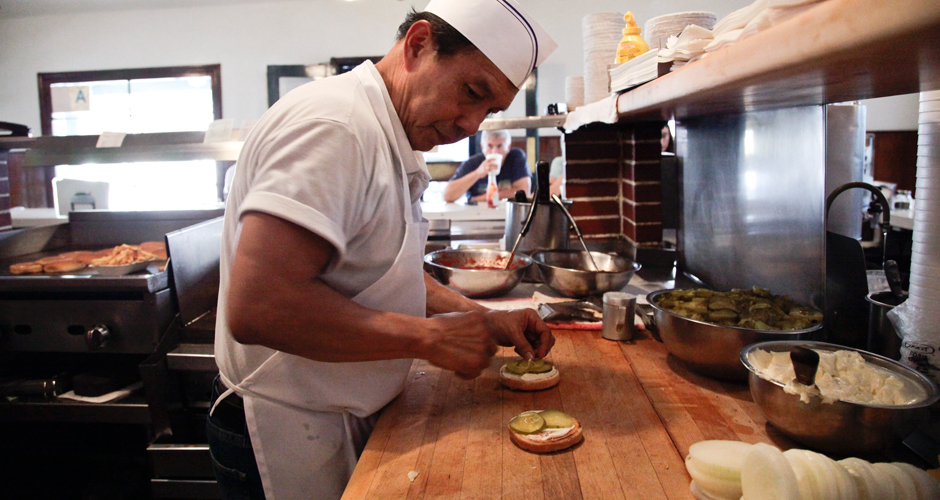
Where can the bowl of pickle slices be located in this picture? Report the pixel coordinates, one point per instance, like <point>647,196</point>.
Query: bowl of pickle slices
<point>706,329</point>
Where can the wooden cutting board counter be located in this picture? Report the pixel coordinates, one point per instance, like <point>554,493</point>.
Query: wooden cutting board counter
<point>640,409</point>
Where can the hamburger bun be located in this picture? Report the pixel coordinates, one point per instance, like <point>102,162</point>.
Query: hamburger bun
<point>157,248</point>
<point>525,375</point>
<point>26,268</point>
<point>63,266</point>
<point>544,431</point>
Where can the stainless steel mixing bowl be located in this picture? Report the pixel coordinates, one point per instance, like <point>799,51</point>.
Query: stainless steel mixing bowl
<point>839,428</point>
<point>462,270</point>
<point>571,273</point>
<point>710,349</point>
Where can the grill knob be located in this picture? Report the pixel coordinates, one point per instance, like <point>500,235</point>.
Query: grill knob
<point>97,337</point>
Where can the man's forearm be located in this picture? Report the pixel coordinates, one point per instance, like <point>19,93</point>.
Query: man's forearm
<point>444,300</point>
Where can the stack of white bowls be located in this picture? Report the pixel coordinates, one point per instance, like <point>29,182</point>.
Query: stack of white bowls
<point>602,33</point>
<point>657,30</point>
<point>574,92</point>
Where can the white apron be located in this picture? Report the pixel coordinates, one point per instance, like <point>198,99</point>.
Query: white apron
<point>306,418</point>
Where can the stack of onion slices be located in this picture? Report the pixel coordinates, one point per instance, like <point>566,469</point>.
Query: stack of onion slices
<point>731,470</point>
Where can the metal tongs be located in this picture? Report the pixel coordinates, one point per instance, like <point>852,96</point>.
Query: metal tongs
<point>525,226</point>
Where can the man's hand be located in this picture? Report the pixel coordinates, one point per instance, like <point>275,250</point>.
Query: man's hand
<point>523,329</point>
<point>466,342</point>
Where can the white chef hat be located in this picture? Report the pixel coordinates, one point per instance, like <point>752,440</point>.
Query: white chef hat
<point>502,30</point>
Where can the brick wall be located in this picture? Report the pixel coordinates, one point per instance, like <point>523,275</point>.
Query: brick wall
<point>613,178</point>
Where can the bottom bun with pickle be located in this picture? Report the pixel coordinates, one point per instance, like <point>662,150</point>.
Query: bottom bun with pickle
<point>544,431</point>
<point>529,375</point>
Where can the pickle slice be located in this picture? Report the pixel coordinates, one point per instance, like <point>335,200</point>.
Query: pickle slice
<point>557,419</point>
<point>527,422</point>
<point>519,366</point>
<point>523,366</point>
<point>540,366</point>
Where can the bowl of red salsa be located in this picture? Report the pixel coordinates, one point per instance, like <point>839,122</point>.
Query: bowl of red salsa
<point>477,273</point>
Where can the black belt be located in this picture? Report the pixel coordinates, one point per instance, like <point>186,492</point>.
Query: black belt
<point>229,412</point>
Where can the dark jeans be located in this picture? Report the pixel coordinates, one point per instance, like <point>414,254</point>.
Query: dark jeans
<point>233,459</point>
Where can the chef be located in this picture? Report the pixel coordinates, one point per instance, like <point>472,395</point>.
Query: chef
<point>323,303</point>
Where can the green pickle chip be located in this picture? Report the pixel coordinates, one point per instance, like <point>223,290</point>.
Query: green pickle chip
<point>527,422</point>
<point>523,366</point>
<point>557,419</point>
<point>540,366</point>
<point>519,367</point>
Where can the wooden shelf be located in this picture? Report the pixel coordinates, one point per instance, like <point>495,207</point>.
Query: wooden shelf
<point>841,50</point>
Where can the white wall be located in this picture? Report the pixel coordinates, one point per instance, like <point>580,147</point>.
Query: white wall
<point>246,37</point>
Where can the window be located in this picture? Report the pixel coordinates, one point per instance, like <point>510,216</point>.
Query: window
<point>133,101</point>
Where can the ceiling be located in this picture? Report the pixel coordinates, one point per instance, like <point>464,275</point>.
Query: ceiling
<point>23,8</point>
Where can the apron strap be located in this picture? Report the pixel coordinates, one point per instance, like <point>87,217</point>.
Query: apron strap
<point>228,391</point>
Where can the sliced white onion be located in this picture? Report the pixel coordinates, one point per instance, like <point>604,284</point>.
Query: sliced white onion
<point>700,494</point>
<point>716,486</point>
<point>926,485</point>
<point>834,479</point>
<point>715,465</point>
<point>719,458</point>
<point>869,487</point>
<point>888,485</point>
<point>766,475</point>
<point>803,470</point>
<point>904,488</point>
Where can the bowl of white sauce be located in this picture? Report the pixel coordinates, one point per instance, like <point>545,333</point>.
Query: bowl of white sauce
<point>860,402</point>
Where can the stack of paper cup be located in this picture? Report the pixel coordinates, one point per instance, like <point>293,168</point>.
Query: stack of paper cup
<point>574,92</point>
<point>918,319</point>
<point>602,33</point>
<point>657,30</point>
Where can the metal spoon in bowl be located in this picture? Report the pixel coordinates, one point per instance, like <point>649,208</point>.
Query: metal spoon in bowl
<point>577,231</point>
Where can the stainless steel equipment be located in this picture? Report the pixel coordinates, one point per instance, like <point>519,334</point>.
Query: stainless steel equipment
<point>478,273</point>
<point>548,229</point>
<point>711,349</point>
<point>839,428</point>
<point>579,274</point>
<point>84,312</point>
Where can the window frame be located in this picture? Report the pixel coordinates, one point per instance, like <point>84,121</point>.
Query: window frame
<point>46,80</point>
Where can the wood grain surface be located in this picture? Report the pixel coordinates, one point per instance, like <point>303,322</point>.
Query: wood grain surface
<point>640,409</point>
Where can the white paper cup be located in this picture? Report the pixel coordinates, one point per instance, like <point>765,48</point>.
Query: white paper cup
<point>925,292</point>
<point>929,150</point>
<point>928,260</point>
<point>922,192</point>
<point>929,117</point>
<point>928,204</point>
<point>927,162</point>
<point>924,268</point>
<point>925,247</point>
<point>928,139</point>
<point>930,295</point>
<point>928,128</point>
<point>498,158</point>
<point>927,106</point>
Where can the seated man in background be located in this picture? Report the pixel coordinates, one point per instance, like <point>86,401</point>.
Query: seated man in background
<point>471,176</point>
